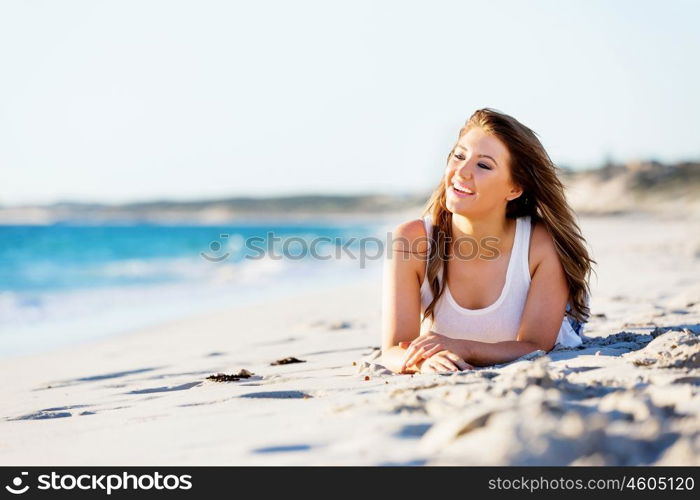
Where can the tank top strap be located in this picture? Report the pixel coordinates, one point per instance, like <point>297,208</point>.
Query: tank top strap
<point>427,223</point>
<point>524,258</point>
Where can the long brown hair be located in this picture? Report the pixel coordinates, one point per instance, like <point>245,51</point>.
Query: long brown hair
<point>542,199</point>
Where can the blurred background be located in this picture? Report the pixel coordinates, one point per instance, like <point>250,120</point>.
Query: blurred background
<point>138,138</point>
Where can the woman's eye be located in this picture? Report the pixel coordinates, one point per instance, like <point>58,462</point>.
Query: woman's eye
<point>482,165</point>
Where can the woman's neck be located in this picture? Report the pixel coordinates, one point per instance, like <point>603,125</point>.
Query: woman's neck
<point>496,225</point>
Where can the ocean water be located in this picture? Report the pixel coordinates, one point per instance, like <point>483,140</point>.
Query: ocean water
<point>63,283</point>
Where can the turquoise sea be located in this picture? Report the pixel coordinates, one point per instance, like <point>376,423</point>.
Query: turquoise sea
<point>64,283</point>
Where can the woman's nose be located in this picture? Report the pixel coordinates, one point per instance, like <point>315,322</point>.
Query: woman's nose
<point>464,169</point>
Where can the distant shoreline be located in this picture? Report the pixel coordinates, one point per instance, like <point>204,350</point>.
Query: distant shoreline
<point>643,187</point>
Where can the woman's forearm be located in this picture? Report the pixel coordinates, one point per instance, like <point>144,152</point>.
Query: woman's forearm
<point>487,353</point>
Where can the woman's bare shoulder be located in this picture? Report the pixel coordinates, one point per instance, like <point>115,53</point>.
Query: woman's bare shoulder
<point>411,229</point>
<point>541,245</point>
<point>410,240</point>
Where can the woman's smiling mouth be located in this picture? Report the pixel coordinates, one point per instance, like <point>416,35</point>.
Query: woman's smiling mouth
<point>460,190</point>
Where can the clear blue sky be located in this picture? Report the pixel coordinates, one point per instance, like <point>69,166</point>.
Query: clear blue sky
<point>134,100</point>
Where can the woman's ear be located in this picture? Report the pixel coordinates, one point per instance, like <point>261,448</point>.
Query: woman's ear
<point>514,193</point>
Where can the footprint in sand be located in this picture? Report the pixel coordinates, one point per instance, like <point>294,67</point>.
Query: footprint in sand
<point>340,325</point>
<point>283,449</point>
<point>182,374</point>
<point>56,412</point>
<point>182,387</point>
<point>277,395</point>
<point>43,415</point>
<point>687,380</point>
<point>413,430</point>
<point>93,378</point>
<point>336,325</point>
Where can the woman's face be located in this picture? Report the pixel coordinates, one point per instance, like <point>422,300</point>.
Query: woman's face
<point>477,177</point>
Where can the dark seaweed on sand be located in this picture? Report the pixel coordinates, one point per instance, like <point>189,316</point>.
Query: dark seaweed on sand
<point>225,377</point>
<point>287,361</point>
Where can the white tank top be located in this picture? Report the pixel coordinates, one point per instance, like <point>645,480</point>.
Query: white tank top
<point>501,320</point>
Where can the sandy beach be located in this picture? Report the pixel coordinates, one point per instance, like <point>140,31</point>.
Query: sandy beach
<point>628,396</point>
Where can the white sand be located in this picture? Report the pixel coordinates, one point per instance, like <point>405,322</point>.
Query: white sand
<point>628,396</point>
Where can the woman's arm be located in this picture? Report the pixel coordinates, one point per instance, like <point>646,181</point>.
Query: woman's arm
<point>471,351</point>
<point>494,353</point>
<point>401,293</point>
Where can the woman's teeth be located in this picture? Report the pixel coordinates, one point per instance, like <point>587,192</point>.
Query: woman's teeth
<point>461,188</point>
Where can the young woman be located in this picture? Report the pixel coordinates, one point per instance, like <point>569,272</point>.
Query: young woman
<point>496,268</point>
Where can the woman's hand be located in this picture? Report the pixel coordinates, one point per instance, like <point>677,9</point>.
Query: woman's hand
<point>425,346</point>
<point>444,361</point>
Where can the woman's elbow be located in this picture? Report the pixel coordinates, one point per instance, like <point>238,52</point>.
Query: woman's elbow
<point>545,346</point>
<point>538,345</point>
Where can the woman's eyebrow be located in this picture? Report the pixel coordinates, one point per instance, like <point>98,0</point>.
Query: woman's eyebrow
<point>480,156</point>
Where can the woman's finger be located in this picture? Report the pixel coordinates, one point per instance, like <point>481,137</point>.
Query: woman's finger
<point>412,346</point>
<point>443,367</point>
<point>427,351</point>
<point>412,356</point>
<point>461,364</point>
<point>416,356</point>
<point>433,350</point>
<point>406,357</point>
<point>446,363</point>
<point>410,353</point>
<point>427,367</point>
<point>425,339</point>
<point>441,363</point>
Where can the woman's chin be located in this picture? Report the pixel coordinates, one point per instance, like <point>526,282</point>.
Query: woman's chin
<point>459,205</point>
<point>469,210</point>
